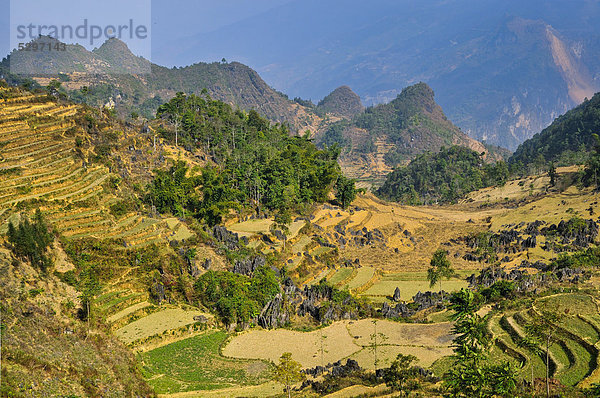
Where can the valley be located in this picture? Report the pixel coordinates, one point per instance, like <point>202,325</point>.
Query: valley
<point>191,231</point>
<point>368,249</point>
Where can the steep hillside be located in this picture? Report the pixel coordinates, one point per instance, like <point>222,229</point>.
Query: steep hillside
<point>59,157</point>
<point>388,135</point>
<point>566,141</point>
<point>502,70</point>
<point>48,351</point>
<point>112,74</point>
<point>341,102</point>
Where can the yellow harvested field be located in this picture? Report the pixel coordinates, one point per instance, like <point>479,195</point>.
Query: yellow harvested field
<point>409,288</point>
<point>262,390</point>
<point>387,353</point>
<point>305,347</point>
<point>552,209</point>
<point>405,334</point>
<point>252,226</point>
<point>345,339</point>
<point>157,323</point>
<point>127,311</point>
<point>359,391</point>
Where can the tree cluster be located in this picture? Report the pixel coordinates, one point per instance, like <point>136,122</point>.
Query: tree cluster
<point>30,240</point>
<point>236,298</point>
<point>568,140</point>
<point>259,164</point>
<point>442,177</point>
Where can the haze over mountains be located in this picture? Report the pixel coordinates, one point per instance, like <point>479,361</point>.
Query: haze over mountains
<point>502,71</point>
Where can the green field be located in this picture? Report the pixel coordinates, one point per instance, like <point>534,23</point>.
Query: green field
<point>580,304</point>
<point>196,364</point>
<point>409,287</point>
<point>573,358</point>
<point>341,275</point>
<point>363,276</point>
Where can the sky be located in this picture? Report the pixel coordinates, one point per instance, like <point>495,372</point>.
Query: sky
<point>172,20</point>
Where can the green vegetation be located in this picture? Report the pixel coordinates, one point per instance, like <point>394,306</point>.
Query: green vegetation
<point>568,140</point>
<point>587,259</point>
<point>260,164</point>
<point>592,167</point>
<point>440,269</point>
<point>345,191</point>
<point>196,364</point>
<point>334,135</point>
<point>31,240</point>
<point>543,330</point>
<point>442,177</point>
<point>288,372</point>
<point>472,375</point>
<point>401,374</point>
<point>237,298</point>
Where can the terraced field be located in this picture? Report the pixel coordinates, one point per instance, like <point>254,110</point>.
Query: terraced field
<point>573,359</point>
<point>39,167</point>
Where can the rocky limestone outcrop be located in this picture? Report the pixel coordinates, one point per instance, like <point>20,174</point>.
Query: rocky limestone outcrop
<point>248,265</point>
<point>227,238</point>
<point>396,296</point>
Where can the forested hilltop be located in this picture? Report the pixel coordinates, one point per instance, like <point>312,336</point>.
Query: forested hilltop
<point>568,140</point>
<point>412,123</point>
<point>112,74</point>
<point>257,164</point>
<point>442,177</point>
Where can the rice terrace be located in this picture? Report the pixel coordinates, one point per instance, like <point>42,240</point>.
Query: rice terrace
<point>429,228</point>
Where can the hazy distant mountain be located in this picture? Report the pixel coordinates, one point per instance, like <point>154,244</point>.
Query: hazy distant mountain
<point>502,70</point>
<point>568,140</point>
<point>113,74</point>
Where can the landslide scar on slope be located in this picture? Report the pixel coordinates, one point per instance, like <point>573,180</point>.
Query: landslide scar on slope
<point>574,74</point>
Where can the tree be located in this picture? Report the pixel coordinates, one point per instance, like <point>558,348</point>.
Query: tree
<point>470,376</point>
<point>345,191</point>
<point>31,239</point>
<point>89,287</point>
<point>592,166</point>
<point>282,221</point>
<point>552,174</point>
<point>399,374</point>
<point>375,342</point>
<point>543,329</point>
<point>288,372</point>
<point>53,87</point>
<point>440,268</point>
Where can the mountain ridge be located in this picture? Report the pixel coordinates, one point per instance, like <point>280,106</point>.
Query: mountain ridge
<point>489,62</point>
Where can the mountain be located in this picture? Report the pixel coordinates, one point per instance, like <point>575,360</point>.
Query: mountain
<point>342,102</point>
<point>114,75</point>
<point>387,135</point>
<point>113,57</point>
<point>502,70</point>
<point>566,141</point>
